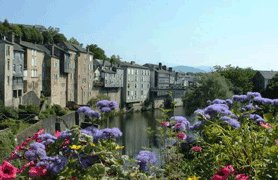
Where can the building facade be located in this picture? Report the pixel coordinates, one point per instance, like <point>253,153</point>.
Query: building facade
<point>6,71</point>
<point>136,83</point>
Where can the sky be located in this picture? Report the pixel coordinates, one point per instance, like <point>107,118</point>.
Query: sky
<point>242,33</point>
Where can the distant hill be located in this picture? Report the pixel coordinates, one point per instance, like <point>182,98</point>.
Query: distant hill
<point>188,69</point>
<point>206,68</point>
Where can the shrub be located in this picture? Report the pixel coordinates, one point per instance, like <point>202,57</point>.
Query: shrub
<point>7,143</point>
<point>59,111</point>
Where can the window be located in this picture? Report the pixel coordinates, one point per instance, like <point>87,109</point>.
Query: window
<point>128,85</point>
<point>8,50</point>
<point>8,64</point>
<point>19,93</point>
<point>14,67</point>
<point>33,61</point>
<point>142,86</point>
<point>135,86</point>
<point>14,93</point>
<point>8,79</point>
<point>128,93</point>
<point>142,92</point>
<point>91,58</point>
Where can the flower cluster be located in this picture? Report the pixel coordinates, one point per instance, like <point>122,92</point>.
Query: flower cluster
<point>106,106</point>
<point>227,171</point>
<point>88,112</point>
<point>146,158</point>
<point>106,133</point>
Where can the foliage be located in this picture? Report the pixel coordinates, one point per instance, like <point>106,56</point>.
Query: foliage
<point>72,40</point>
<point>272,88</point>
<point>7,112</point>
<point>245,141</point>
<point>92,102</point>
<point>97,51</point>
<point>210,86</point>
<point>14,125</point>
<point>241,78</point>
<point>59,111</point>
<point>29,109</point>
<point>6,143</point>
<point>115,59</point>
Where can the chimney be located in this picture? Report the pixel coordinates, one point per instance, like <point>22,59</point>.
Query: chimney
<point>164,67</point>
<point>132,62</point>
<point>52,50</point>
<point>160,65</point>
<point>170,69</point>
<point>11,37</point>
<point>18,39</point>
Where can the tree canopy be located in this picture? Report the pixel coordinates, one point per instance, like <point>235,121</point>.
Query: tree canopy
<point>240,78</point>
<point>272,88</point>
<point>209,87</point>
<point>97,51</point>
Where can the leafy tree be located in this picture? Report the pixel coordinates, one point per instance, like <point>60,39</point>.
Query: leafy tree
<point>47,37</point>
<point>59,37</point>
<point>241,78</point>
<point>72,40</point>
<point>98,52</point>
<point>114,59</point>
<point>209,86</point>
<point>272,88</point>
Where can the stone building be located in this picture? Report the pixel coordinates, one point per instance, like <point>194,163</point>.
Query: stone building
<point>6,71</point>
<point>108,79</point>
<point>136,83</point>
<point>261,79</point>
<point>18,64</point>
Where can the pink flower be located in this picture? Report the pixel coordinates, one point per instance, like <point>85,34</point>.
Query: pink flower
<point>37,171</point>
<point>31,163</point>
<point>265,125</point>
<point>7,171</point>
<point>196,149</point>
<point>242,177</point>
<point>165,123</point>
<point>224,172</point>
<point>217,177</point>
<point>57,134</point>
<point>181,135</point>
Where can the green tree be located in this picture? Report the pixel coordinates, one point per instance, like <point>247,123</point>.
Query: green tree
<point>97,51</point>
<point>272,88</point>
<point>209,87</point>
<point>72,40</point>
<point>241,78</point>
<point>47,37</point>
<point>59,37</point>
<point>114,59</point>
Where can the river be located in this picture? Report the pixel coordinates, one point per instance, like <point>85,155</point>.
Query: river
<point>135,129</point>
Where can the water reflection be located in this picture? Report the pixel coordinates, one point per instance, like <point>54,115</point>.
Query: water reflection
<point>135,126</point>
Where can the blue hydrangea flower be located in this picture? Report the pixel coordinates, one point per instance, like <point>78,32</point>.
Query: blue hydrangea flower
<point>83,109</point>
<point>233,122</point>
<point>240,98</point>
<point>181,119</point>
<point>218,101</point>
<point>215,109</point>
<point>36,151</point>
<point>54,164</point>
<point>111,133</point>
<point>261,100</point>
<point>251,95</point>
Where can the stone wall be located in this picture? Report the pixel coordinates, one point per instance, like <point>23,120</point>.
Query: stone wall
<point>51,124</point>
<point>31,98</point>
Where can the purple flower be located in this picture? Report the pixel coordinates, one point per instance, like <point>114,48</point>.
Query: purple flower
<point>240,98</point>
<point>251,95</point>
<point>65,134</point>
<point>145,158</point>
<point>92,113</point>
<point>217,109</point>
<point>113,105</point>
<point>111,133</point>
<point>47,138</point>
<point>92,131</point>
<point>233,122</point>
<point>181,119</point>
<point>248,107</point>
<point>105,109</point>
<point>263,100</point>
<point>54,164</point>
<point>197,125</point>
<point>257,118</point>
<point>83,109</point>
<point>86,161</point>
<point>103,103</point>
<point>275,102</point>
<point>229,101</point>
<point>199,111</point>
<point>218,101</point>
<point>37,150</point>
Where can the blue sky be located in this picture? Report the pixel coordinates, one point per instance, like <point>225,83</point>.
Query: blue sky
<point>175,32</point>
